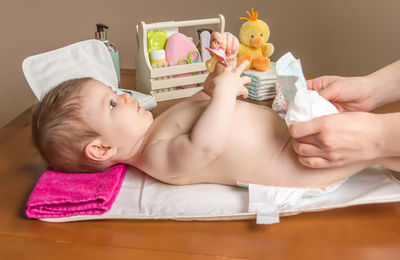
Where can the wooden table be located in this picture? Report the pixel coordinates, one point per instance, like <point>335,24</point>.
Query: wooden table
<point>359,232</point>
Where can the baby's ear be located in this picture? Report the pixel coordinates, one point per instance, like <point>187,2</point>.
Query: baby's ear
<point>98,151</point>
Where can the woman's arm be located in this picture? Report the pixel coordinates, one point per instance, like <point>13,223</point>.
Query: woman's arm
<point>385,85</point>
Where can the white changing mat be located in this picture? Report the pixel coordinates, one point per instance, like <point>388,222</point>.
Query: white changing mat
<point>142,197</point>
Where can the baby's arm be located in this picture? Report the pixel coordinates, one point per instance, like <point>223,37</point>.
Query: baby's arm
<point>230,44</point>
<point>190,152</point>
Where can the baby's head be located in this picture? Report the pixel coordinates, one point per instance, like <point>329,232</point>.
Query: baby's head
<point>83,126</point>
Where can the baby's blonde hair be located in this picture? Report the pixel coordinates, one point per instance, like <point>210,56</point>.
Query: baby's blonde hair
<point>59,130</point>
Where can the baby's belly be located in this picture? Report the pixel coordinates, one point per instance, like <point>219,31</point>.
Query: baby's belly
<point>257,138</point>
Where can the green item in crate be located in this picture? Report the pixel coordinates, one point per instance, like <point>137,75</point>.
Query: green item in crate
<point>156,40</point>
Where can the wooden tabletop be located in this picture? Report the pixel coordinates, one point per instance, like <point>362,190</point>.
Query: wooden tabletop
<point>359,232</point>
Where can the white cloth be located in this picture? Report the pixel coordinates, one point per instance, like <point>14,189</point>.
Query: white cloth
<point>304,104</point>
<point>89,58</point>
<point>82,59</point>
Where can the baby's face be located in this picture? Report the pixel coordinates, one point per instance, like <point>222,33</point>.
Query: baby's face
<point>119,120</point>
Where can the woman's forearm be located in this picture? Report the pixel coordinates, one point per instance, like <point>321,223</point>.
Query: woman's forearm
<point>390,125</point>
<point>385,84</point>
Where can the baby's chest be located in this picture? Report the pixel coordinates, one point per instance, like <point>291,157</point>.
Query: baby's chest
<point>177,121</point>
<point>256,129</point>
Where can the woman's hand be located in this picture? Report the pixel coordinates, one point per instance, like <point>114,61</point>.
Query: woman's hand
<point>347,94</point>
<point>340,139</point>
<point>345,138</point>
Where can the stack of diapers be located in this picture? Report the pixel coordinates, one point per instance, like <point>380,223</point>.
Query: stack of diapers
<point>262,85</point>
<point>125,192</point>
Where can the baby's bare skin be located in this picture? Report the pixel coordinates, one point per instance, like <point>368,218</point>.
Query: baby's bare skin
<point>258,149</point>
<point>209,138</point>
<point>213,138</point>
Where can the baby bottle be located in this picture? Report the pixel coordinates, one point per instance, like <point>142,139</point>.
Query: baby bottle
<point>158,59</point>
<point>101,35</point>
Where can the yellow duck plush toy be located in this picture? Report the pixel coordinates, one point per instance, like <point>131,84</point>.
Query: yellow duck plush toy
<point>254,46</point>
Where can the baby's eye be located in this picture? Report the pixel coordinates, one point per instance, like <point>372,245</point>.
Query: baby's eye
<point>112,104</point>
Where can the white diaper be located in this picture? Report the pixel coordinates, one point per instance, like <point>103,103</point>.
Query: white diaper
<point>268,201</point>
<point>304,104</point>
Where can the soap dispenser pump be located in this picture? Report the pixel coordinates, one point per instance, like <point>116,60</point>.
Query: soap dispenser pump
<point>101,35</point>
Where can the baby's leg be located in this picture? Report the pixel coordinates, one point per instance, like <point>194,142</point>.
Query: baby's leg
<point>291,173</point>
<point>392,163</point>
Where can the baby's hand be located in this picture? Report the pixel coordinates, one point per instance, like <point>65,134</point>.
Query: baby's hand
<point>228,42</point>
<point>228,81</point>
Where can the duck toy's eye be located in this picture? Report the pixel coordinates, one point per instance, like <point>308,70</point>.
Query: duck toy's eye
<point>252,36</point>
<point>261,35</point>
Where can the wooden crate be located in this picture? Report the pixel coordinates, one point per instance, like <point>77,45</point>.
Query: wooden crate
<point>160,82</point>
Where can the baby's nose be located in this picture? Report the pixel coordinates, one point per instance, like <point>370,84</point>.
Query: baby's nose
<point>127,98</point>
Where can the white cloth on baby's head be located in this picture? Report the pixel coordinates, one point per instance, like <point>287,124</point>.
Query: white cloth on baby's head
<point>83,59</point>
<point>304,104</point>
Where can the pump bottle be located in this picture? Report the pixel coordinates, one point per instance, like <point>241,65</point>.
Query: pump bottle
<point>101,35</point>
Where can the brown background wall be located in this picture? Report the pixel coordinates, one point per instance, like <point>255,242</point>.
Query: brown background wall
<point>345,37</point>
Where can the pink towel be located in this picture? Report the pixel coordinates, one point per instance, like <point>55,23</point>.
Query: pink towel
<point>58,194</point>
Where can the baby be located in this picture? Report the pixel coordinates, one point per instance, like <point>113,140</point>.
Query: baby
<point>211,137</point>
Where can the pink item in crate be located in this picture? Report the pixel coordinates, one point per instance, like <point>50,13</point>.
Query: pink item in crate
<point>178,47</point>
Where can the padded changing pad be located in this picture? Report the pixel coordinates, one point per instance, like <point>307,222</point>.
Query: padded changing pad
<point>142,197</point>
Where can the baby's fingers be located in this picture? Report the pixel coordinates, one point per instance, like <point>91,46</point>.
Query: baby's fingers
<point>231,44</point>
<point>241,67</point>
<point>244,92</point>
<point>246,80</point>
<point>216,40</point>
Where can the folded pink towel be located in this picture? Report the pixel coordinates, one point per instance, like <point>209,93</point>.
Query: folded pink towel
<point>58,194</point>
